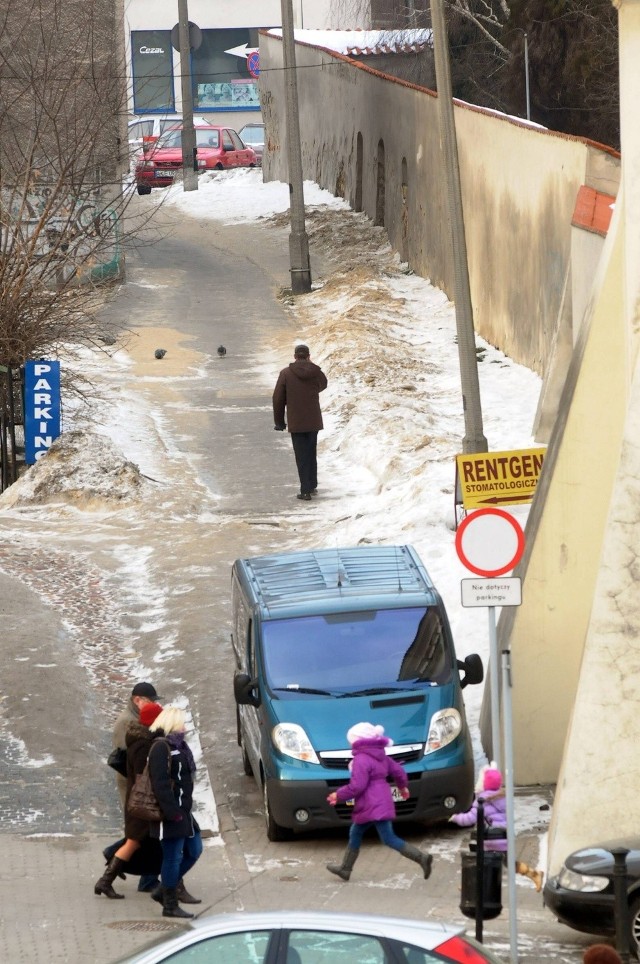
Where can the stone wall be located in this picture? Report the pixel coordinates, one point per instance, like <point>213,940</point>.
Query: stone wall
<point>374,140</point>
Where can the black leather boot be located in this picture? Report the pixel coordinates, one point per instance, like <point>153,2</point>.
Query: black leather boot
<point>344,869</point>
<point>170,906</point>
<point>418,857</point>
<point>103,886</point>
<point>184,897</point>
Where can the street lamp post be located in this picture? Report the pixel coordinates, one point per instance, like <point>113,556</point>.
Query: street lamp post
<point>474,440</point>
<point>189,176</point>
<point>298,240</point>
<point>526,73</point>
<point>526,69</point>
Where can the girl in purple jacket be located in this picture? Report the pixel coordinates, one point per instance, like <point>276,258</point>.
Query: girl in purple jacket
<point>495,815</point>
<point>373,802</point>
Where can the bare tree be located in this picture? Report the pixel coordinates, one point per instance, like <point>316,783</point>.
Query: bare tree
<point>572,53</point>
<point>62,156</point>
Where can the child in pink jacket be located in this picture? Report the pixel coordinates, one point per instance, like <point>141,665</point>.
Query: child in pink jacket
<point>373,802</point>
<point>495,815</point>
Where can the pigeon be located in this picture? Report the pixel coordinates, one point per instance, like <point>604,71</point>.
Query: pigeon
<point>222,351</point>
<point>160,352</point>
<point>107,339</point>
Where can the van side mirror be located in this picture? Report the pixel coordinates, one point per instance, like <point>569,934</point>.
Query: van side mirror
<point>246,690</point>
<point>473,670</point>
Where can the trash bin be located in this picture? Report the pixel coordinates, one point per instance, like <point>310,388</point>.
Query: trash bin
<point>491,885</point>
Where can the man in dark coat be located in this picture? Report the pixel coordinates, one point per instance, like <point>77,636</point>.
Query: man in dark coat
<point>297,390</point>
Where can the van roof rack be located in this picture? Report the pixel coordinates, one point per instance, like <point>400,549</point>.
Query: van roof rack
<point>287,578</point>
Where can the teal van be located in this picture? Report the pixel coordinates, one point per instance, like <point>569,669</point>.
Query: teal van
<point>327,638</point>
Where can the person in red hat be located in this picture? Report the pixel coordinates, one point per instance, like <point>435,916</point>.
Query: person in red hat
<point>601,954</point>
<point>138,741</point>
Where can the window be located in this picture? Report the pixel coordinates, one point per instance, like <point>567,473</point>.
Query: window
<point>152,63</point>
<point>140,129</point>
<point>227,143</point>
<point>345,652</point>
<point>226,949</point>
<point>206,138</point>
<point>221,78</point>
<point>330,947</point>
<point>237,143</point>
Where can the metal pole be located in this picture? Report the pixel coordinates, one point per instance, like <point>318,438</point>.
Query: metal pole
<point>298,240</point>
<point>189,176</point>
<point>474,440</point>
<point>494,675</point>
<point>509,790</point>
<point>526,73</point>
<point>479,869</point>
<point>621,906</point>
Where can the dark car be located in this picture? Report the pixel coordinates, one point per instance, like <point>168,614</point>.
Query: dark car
<point>217,148</point>
<point>582,894</point>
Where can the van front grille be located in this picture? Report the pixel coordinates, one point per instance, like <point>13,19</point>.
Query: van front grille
<point>336,760</point>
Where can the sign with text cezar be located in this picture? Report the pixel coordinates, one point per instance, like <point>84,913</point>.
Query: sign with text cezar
<point>41,407</point>
<point>499,478</point>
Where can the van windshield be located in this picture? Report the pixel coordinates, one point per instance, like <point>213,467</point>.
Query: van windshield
<point>343,654</point>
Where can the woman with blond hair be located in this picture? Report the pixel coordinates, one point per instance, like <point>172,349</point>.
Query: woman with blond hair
<point>172,772</point>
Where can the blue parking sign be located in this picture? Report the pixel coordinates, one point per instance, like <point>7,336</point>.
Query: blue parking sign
<point>41,407</point>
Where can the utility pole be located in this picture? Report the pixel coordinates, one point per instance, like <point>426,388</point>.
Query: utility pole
<point>298,240</point>
<point>474,440</point>
<point>189,175</point>
<point>526,73</point>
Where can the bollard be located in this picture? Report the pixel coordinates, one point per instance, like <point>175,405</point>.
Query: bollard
<point>621,906</point>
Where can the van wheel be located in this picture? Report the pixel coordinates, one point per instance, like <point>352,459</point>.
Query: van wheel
<point>275,832</point>
<point>143,189</point>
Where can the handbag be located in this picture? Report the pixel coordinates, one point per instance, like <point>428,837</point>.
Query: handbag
<point>117,760</point>
<point>142,802</point>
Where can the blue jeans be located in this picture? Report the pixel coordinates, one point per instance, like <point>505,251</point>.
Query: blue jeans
<point>384,829</point>
<point>178,857</point>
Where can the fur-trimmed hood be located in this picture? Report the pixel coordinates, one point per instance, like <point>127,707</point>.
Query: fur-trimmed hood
<point>136,731</point>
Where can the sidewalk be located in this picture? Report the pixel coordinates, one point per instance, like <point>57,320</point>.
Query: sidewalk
<point>49,913</point>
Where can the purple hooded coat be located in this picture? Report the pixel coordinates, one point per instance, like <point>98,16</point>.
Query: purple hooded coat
<point>495,815</point>
<point>368,785</point>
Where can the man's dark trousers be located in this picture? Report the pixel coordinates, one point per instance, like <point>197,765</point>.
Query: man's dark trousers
<point>305,446</point>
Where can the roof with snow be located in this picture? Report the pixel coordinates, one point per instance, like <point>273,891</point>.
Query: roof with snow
<point>361,43</point>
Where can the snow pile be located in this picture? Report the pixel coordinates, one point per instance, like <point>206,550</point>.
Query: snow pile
<point>239,195</point>
<point>80,469</point>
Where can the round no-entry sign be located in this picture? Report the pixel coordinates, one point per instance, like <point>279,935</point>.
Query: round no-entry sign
<point>490,542</point>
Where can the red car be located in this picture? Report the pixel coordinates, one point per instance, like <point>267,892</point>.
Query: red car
<point>217,148</point>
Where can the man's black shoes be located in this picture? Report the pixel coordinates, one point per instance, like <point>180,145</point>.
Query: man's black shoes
<point>305,496</point>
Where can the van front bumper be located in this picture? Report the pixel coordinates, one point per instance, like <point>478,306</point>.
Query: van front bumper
<point>301,805</point>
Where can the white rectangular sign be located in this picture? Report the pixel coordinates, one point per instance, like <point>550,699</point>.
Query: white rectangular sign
<point>491,592</point>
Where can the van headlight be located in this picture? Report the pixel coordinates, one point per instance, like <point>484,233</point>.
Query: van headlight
<point>445,726</point>
<point>290,739</point>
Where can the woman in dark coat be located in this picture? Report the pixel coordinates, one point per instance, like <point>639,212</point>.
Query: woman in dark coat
<point>172,772</point>
<point>138,740</point>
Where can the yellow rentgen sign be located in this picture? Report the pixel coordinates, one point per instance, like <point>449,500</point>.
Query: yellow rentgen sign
<point>498,478</point>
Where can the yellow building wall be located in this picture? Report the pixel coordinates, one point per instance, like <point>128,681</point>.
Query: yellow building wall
<point>564,542</point>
